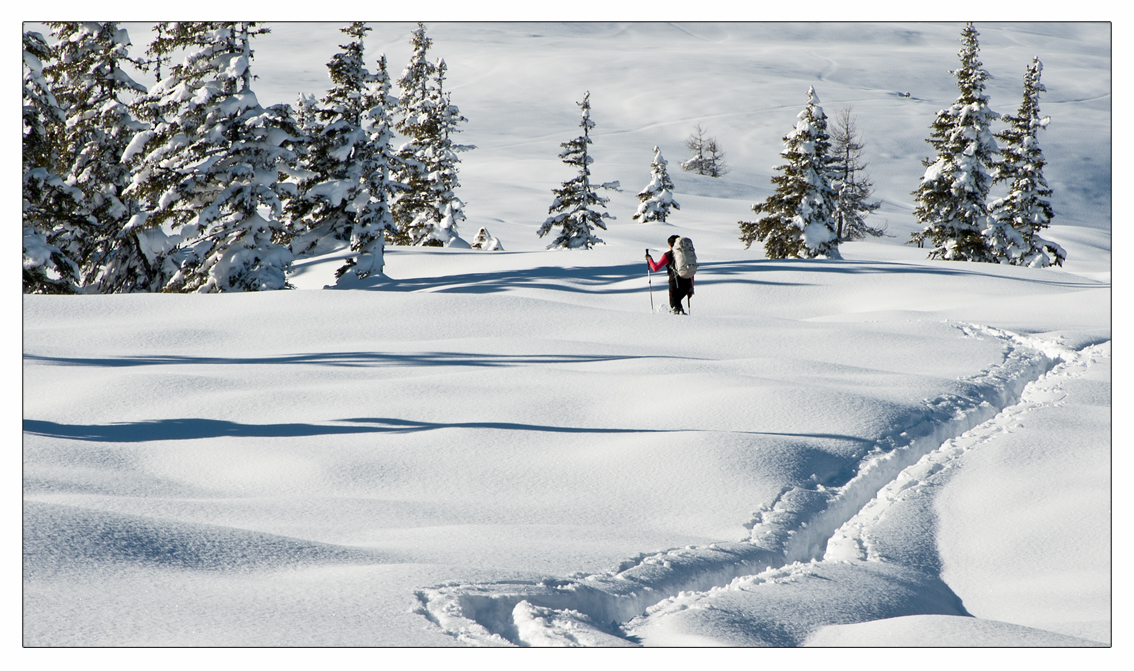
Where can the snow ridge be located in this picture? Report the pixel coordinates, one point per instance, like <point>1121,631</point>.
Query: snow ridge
<point>589,609</point>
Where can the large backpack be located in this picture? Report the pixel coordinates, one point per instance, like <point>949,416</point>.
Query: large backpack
<point>684,257</point>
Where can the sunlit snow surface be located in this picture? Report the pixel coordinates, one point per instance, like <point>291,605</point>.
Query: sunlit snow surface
<point>509,448</point>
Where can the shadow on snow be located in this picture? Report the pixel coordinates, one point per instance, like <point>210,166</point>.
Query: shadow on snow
<point>372,359</point>
<point>198,428</point>
<point>607,279</point>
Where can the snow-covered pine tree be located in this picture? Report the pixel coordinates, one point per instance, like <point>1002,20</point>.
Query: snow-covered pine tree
<point>333,191</point>
<point>49,203</point>
<point>951,199</point>
<point>415,102</point>
<point>571,210</point>
<point>375,219</point>
<point>212,162</point>
<point>1026,210</point>
<point>429,211</point>
<point>799,218</point>
<point>848,177</point>
<point>657,198</point>
<point>307,114</point>
<point>90,84</point>
<point>445,164</point>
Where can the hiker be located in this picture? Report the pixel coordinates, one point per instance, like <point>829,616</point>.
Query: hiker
<point>679,287</point>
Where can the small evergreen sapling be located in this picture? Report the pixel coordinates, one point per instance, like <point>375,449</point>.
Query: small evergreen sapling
<point>1026,210</point>
<point>572,209</point>
<point>657,198</point>
<point>951,199</point>
<point>799,218</point>
<point>485,241</point>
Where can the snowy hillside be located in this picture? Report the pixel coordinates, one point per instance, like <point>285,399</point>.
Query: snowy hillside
<point>509,448</point>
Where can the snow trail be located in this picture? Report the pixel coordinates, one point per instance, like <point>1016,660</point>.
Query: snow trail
<point>852,541</point>
<point>590,609</point>
<point>887,562</point>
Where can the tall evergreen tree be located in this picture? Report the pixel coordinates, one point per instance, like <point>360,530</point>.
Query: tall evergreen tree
<point>334,192</point>
<point>951,199</point>
<point>90,85</point>
<point>657,198</point>
<point>445,163</point>
<point>429,212</point>
<point>415,123</point>
<point>799,218</point>
<point>571,210</point>
<point>848,177</point>
<point>50,205</point>
<point>1025,211</point>
<point>212,162</point>
<point>375,219</point>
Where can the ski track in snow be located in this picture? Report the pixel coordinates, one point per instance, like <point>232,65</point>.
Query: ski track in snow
<point>801,525</point>
<point>853,540</point>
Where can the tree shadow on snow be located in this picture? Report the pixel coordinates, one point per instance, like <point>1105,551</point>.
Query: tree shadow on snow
<point>576,279</point>
<point>192,428</point>
<point>197,428</point>
<point>610,279</point>
<point>366,359</point>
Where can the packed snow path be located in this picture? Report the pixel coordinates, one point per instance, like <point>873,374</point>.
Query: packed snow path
<point>803,525</point>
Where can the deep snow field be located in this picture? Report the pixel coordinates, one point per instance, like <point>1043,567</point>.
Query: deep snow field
<point>509,448</point>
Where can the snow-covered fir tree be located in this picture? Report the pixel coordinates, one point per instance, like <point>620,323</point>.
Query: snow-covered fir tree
<point>415,102</point>
<point>1025,211</point>
<point>657,198</point>
<point>446,162</point>
<point>307,114</point>
<point>375,219</point>
<point>799,218</point>
<point>848,177</point>
<point>211,163</point>
<point>429,211</point>
<point>571,211</point>
<point>49,203</point>
<point>951,201</point>
<point>335,193</point>
<point>90,84</point>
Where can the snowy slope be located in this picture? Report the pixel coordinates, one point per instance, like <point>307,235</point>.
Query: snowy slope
<point>510,448</point>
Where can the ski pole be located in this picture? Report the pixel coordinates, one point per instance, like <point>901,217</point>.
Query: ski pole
<point>650,277</point>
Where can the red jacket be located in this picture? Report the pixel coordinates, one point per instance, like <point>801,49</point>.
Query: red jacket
<point>664,262</point>
<point>655,266</point>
